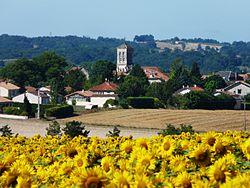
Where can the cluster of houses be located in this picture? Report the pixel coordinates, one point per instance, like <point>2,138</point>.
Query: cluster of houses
<point>99,94</point>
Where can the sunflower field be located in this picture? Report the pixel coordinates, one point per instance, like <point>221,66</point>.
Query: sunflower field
<point>199,160</point>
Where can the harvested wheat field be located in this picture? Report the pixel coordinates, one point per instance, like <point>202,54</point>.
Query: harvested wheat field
<point>201,120</point>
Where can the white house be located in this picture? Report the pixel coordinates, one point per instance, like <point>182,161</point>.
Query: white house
<point>97,95</point>
<point>187,89</point>
<point>8,89</point>
<point>240,88</point>
<point>32,97</point>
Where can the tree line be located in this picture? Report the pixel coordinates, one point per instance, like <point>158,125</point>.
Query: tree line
<point>82,50</point>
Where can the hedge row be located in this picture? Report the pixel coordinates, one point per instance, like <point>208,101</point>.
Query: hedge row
<point>60,111</point>
<point>141,102</point>
<point>14,111</point>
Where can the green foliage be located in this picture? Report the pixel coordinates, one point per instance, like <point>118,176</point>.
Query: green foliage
<point>27,106</point>
<point>139,73</point>
<point>205,100</point>
<point>60,111</point>
<point>114,133</point>
<point>75,128</point>
<point>6,131</point>
<point>54,129</point>
<point>158,103</point>
<point>172,130</point>
<point>224,101</point>
<point>14,111</point>
<point>131,87</point>
<point>111,102</point>
<point>197,100</point>
<point>100,71</point>
<point>141,102</point>
<point>35,72</point>
<point>214,82</point>
<point>75,78</point>
<point>123,103</point>
<point>84,49</point>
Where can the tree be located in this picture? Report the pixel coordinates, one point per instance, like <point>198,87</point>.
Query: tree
<point>131,87</point>
<point>75,128</point>
<point>138,72</point>
<point>22,72</point>
<point>74,78</point>
<point>100,71</point>
<point>214,82</point>
<point>27,106</point>
<point>195,71</point>
<point>51,65</point>
<point>57,88</point>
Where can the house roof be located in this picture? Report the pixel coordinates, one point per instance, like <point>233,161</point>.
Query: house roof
<point>155,73</point>
<point>30,89</point>
<point>226,75</point>
<point>8,85</point>
<point>4,100</point>
<point>89,94</point>
<point>194,88</point>
<point>82,93</point>
<point>236,84</point>
<point>124,45</point>
<point>106,86</point>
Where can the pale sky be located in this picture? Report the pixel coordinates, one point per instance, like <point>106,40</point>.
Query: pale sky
<point>223,20</point>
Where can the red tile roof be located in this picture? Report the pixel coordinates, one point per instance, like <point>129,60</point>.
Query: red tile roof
<point>4,100</point>
<point>8,85</point>
<point>196,88</point>
<point>82,93</point>
<point>30,89</point>
<point>106,86</point>
<point>155,72</point>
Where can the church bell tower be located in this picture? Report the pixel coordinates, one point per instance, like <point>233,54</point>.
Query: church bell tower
<point>124,58</point>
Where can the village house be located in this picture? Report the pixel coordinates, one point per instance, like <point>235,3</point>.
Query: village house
<point>33,97</point>
<point>8,89</point>
<point>96,95</point>
<point>155,74</point>
<point>4,102</point>
<point>187,89</point>
<point>240,88</point>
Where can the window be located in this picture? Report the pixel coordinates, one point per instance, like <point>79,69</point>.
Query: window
<point>239,91</point>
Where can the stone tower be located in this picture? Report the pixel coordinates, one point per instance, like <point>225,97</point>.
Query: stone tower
<point>124,58</point>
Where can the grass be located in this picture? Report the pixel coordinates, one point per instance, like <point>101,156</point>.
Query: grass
<point>201,120</point>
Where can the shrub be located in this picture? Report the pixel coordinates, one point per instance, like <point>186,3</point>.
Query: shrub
<point>60,111</point>
<point>13,111</point>
<point>6,131</point>
<point>158,103</point>
<point>111,102</point>
<point>75,128</point>
<point>123,103</point>
<point>54,129</point>
<point>171,130</point>
<point>114,133</point>
<point>141,102</point>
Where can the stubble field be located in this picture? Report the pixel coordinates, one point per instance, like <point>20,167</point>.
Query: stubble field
<point>201,120</point>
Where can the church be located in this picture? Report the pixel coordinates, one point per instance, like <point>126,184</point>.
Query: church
<point>124,58</point>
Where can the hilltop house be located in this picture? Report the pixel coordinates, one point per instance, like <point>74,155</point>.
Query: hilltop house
<point>96,95</point>
<point>33,97</point>
<point>240,88</point>
<point>154,74</point>
<point>187,89</point>
<point>8,89</point>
